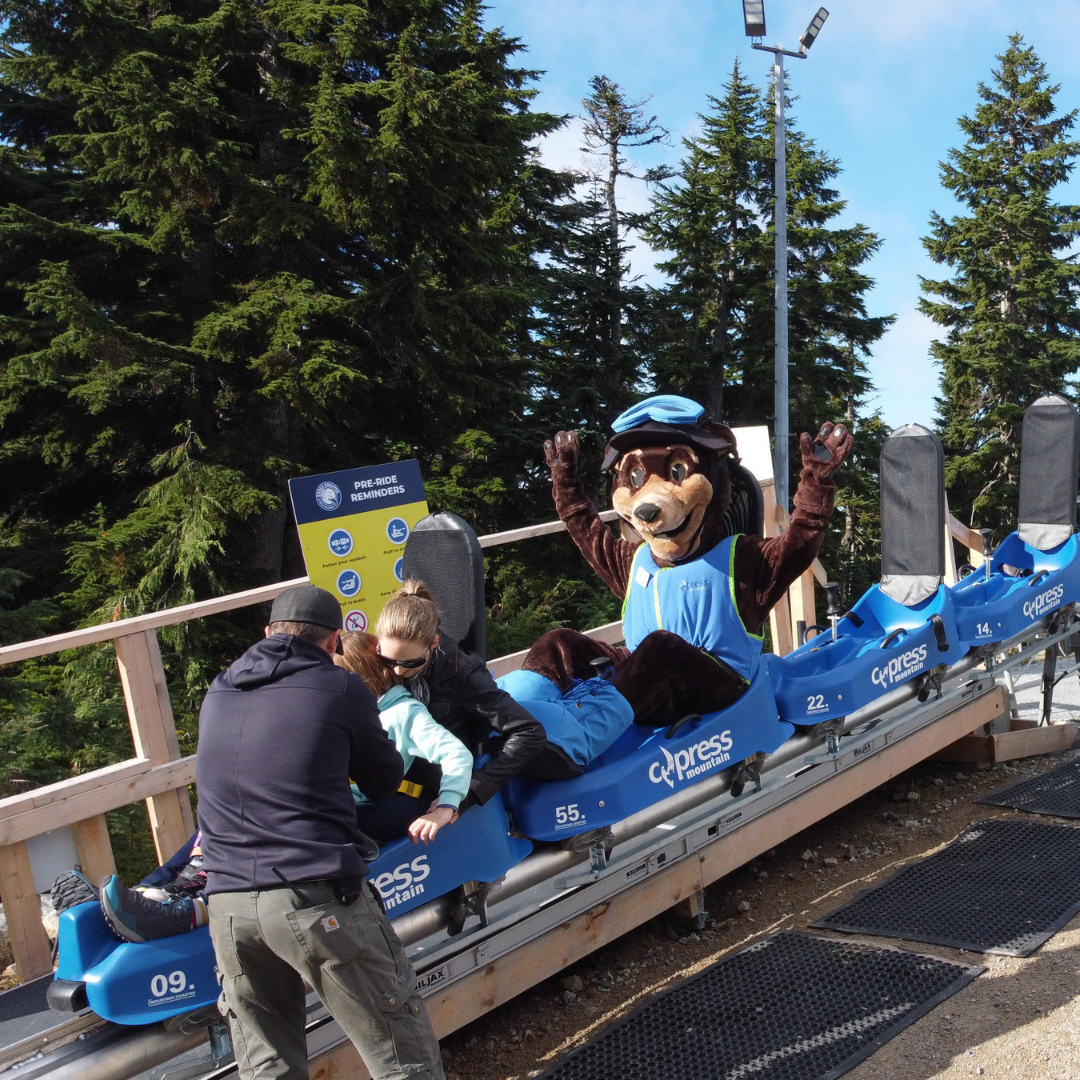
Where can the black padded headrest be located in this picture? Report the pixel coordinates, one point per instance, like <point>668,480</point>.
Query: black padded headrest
<point>746,512</point>
<point>444,553</point>
<point>912,514</point>
<point>1049,459</point>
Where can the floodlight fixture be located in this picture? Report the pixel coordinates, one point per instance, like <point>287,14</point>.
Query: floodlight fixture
<point>754,17</point>
<point>812,31</point>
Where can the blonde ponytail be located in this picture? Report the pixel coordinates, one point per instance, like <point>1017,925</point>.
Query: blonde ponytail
<point>410,615</point>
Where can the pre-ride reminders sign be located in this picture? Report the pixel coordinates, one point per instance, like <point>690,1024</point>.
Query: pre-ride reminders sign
<point>353,526</point>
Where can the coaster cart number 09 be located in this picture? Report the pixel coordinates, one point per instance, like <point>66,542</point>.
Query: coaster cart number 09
<point>169,985</point>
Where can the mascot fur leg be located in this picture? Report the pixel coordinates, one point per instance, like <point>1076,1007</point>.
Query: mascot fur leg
<point>565,655</point>
<point>693,681</point>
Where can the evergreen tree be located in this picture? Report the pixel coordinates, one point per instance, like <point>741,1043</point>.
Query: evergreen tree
<point>715,340</point>
<point>612,126</point>
<point>1010,308</point>
<point>240,242</point>
<point>710,222</point>
<point>246,241</point>
<point>583,381</point>
<point>586,370</point>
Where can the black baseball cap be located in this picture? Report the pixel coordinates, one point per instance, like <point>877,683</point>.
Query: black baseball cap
<point>307,603</point>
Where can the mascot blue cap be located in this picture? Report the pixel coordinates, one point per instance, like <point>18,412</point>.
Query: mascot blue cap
<point>666,418</point>
<point>663,408</point>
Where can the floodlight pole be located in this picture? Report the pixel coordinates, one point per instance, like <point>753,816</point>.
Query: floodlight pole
<point>781,392</point>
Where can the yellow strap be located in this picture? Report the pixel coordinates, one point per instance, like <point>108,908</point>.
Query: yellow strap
<point>415,790</point>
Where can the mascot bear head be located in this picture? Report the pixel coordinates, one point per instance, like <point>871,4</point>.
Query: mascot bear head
<point>670,484</point>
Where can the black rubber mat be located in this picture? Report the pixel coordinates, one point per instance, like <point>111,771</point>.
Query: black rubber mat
<point>1002,886</point>
<point>790,1007</point>
<point>1056,792</point>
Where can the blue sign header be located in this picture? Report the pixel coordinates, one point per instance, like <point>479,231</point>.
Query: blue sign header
<point>353,491</point>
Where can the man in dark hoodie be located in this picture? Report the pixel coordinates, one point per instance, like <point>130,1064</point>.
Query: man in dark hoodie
<point>280,734</point>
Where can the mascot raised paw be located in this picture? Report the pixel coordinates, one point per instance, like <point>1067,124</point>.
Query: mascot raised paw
<point>695,595</point>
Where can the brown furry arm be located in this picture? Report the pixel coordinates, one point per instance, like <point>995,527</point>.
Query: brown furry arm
<point>609,555</point>
<point>766,569</point>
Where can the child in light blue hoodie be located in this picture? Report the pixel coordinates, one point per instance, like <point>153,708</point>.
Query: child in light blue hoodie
<point>416,735</point>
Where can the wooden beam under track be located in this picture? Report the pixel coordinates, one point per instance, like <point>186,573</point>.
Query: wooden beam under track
<point>507,977</point>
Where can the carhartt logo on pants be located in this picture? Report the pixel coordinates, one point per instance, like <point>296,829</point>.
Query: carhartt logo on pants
<point>330,923</point>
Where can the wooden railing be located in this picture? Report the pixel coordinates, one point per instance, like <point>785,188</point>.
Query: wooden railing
<point>156,772</point>
<point>160,776</point>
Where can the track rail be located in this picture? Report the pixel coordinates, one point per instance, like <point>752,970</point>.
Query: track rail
<point>559,904</point>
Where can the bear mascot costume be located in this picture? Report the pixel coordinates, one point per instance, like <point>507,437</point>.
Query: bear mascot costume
<point>695,598</point>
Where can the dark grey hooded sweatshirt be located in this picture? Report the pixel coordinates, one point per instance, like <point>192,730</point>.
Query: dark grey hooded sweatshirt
<point>280,734</point>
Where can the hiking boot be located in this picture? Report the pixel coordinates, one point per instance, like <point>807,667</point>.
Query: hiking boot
<point>135,917</point>
<point>70,889</point>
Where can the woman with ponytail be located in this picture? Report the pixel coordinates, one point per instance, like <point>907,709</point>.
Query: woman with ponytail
<point>417,737</point>
<point>459,692</point>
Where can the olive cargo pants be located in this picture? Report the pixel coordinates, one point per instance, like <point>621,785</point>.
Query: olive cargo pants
<point>267,942</point>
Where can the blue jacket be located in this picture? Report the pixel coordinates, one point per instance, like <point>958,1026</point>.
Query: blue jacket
<point>695,600</point>
<point>280,733</point>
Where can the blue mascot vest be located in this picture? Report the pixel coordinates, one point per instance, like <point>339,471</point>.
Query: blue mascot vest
<point>695,600</point>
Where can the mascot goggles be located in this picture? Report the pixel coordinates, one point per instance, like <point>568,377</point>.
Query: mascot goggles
<point>662,409</point>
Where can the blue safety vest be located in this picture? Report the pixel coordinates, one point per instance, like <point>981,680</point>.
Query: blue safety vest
<point>695,600</point>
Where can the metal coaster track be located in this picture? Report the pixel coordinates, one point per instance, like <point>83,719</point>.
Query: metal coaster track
<point>691,838</point>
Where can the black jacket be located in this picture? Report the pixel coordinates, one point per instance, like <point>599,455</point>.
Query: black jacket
<point>462,696</point>
<point>280,734</point>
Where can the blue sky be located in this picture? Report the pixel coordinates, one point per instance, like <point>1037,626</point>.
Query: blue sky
<point>881,90</point>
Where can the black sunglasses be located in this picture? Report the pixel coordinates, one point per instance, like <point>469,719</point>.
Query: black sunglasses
<point>409,665</point>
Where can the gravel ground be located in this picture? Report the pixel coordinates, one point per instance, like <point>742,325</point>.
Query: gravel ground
<point>1020,1019</point>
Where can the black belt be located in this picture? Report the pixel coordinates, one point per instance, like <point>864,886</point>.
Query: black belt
<point>345,884</point>
<point>345,890</point>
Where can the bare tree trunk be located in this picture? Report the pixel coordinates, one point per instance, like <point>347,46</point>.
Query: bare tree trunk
<point>270,525</point>
<point>715,403</point>
<point>615,262</point>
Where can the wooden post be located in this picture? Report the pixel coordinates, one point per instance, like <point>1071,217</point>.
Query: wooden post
<point>29,942</point>
<point>800,597</point>
<point>951,574</point>
<point>801,601</point>
<point>970,538</point>
<point>94,847</point>
<point>154,732</point>
<point>780,616</point>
